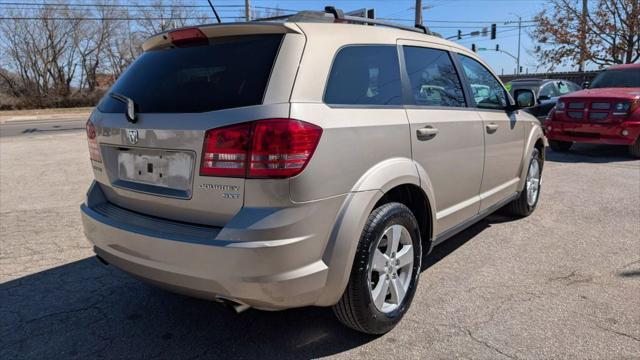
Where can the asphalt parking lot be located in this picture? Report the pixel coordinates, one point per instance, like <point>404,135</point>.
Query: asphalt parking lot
<point>562,283</point>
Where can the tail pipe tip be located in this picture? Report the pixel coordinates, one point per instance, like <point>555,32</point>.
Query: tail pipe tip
<point>234,305</point>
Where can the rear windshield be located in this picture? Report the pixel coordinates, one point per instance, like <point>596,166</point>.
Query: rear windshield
<point>229,72</point>
<point>617,79</point>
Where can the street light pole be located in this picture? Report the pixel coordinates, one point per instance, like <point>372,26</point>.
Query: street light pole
<point>519,35</point>
<point>519,39</point>
<point>418,12</point>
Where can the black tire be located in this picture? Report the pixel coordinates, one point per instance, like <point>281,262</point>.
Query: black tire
<point>634,150</point>
<point>356,308</point>
<point>520,207</point>
<point>560,146</point>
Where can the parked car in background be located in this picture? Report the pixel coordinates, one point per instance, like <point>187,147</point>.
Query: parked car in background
<point>316,171</point>
<point>608,112</point>
<point>547,92</point>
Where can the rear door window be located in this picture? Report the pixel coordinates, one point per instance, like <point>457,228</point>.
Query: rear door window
<point>229,72</point>
<point>365,75</point>
<point>433,78</point>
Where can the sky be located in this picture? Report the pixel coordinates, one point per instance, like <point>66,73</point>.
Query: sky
<point>446,17</point>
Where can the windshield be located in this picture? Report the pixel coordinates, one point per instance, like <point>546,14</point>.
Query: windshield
<point>627,78</point>
<point>227,73</point>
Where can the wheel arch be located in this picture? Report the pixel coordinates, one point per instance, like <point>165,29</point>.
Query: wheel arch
<point>397,179</point>
<point>413,197</point>
<point>535,140</point>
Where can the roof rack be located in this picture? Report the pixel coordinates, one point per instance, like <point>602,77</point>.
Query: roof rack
<point>338,16</point>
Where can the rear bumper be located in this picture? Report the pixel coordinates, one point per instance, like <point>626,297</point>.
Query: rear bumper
<point>243,261</point>
<point>593,133</point>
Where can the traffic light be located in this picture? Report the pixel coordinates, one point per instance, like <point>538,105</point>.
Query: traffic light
<point>473,47</point>
<point>494,28</point>
<point>459,34</point>
<point>497,47</point>
<point>520,72</point>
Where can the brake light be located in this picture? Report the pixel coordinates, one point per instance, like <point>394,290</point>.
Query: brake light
<point>94,150</point>
<point>188,37</point>
<point>282,147</point>
<point>271,148</point>
<point>225,151</point>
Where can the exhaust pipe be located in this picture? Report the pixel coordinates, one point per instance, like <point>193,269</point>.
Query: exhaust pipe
<point>233,305</point>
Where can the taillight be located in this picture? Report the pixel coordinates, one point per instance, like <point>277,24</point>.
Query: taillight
<point>271,148</point>
<point>281,147</point>
<point>94,150</point>
<point>225,151</point>
<point>188,37</point>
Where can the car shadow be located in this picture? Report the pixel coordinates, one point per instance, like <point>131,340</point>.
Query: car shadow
<point>590,153</point>
<point>86,310</point>
<point>450,245</point>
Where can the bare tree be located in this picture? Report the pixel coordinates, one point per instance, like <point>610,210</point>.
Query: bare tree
<point>40,51</point>
<point>259,13</point>
<point>612,33</point>
<point>160,15</point>
<point>54,54</point>
<point>92,41</point>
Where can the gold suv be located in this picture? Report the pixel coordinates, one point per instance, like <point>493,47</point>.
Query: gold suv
<point>311,160</point>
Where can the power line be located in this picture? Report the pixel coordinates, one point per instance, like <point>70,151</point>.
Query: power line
<point>110,18</point>
<point>454,21</point>
<point>231,8</point>
<point>449,27</point>
<point>470,38</point>
<point>133,6</point>
<point>33,11</point>
<point>109,5</point>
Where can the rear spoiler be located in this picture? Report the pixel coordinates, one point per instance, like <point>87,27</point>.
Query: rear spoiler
<point>226,29</point>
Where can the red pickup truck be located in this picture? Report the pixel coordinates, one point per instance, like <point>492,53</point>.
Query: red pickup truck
<point>608,112</point>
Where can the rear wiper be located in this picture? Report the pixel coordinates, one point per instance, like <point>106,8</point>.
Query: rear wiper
<point>131,106</point>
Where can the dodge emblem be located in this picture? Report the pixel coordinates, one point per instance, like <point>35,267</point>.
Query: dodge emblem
<point>132,135</point>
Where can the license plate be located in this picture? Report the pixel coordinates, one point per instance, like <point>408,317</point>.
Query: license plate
<point>169,169</point>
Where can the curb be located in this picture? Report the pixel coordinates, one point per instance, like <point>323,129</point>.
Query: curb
<point>43,117</point>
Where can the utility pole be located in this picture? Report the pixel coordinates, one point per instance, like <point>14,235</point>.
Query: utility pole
<point>247,10</point>
<point>418,12</point>
<point>583,35</point>
<point>519,34</point>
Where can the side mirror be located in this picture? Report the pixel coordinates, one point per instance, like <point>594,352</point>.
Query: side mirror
<point>585,85</point>
<point>524,98</point>
<point>543,97</point>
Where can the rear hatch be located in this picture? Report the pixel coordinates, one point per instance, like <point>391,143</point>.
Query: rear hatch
<point>151,163</point>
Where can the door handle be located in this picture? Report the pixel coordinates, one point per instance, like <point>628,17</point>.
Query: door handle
<point>491,128</point>
<point>427,133</point>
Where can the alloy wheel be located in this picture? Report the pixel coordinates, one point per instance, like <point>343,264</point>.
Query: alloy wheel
<point>533,182</point>
<point>391,268</point>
